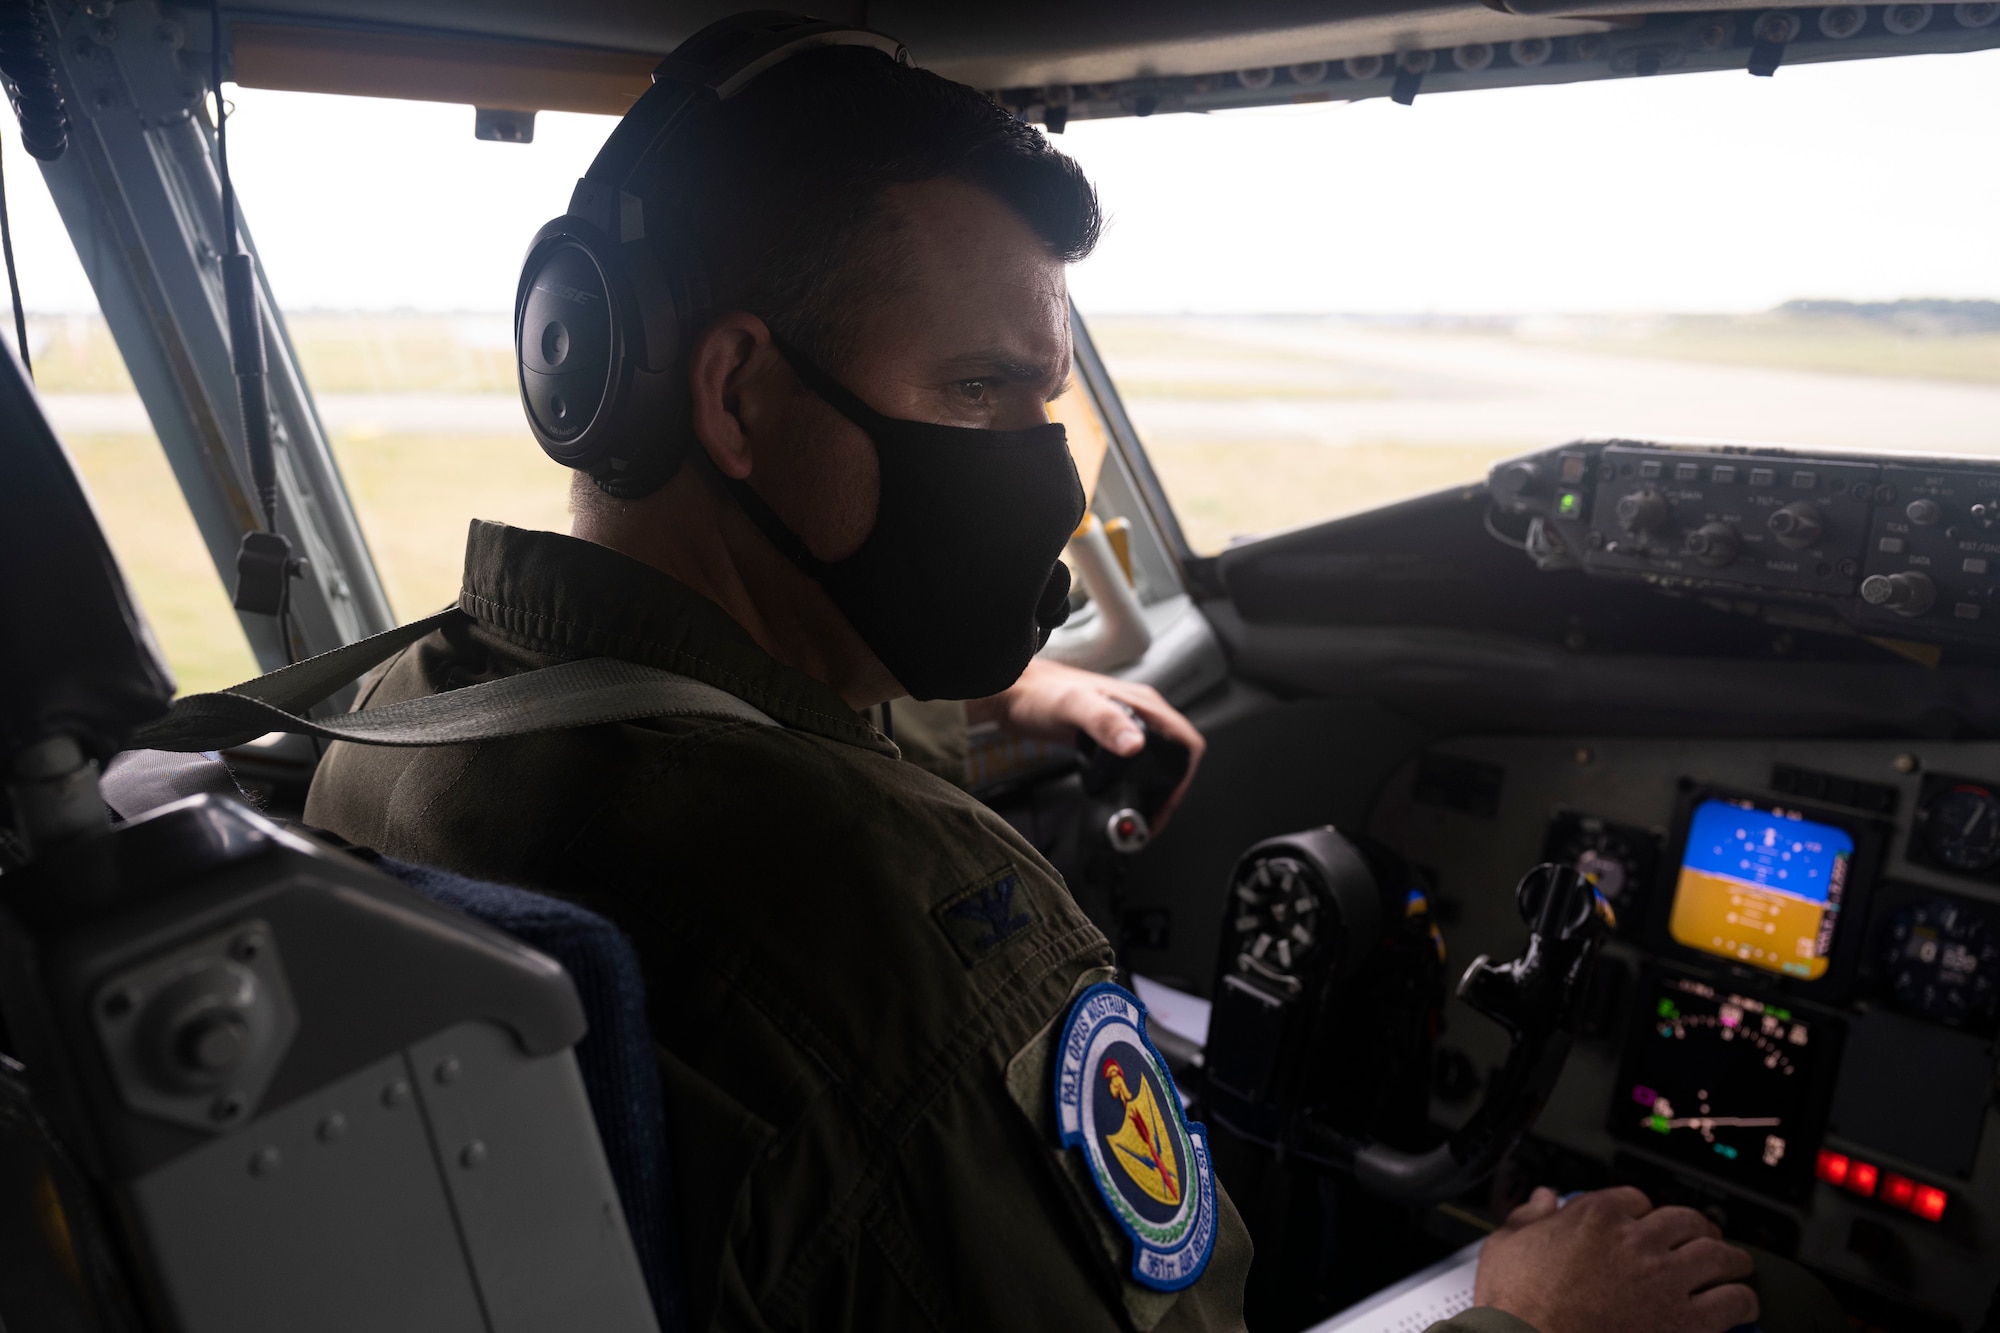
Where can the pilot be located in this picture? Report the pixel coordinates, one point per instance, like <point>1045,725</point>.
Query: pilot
<point>879,1014</point>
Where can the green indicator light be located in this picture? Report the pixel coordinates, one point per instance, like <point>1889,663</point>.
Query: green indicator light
<point>1667,1009</point>
<point>1658,1124</point>
<point>1569,504</point>
<point>1782,1015</point>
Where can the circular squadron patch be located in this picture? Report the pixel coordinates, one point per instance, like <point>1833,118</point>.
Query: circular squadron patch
<point>1116,1101</point>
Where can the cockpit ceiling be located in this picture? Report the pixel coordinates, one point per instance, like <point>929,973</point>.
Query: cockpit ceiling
<point>1055,63</point>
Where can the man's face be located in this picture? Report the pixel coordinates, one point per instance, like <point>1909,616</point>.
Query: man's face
<point>970,328</point>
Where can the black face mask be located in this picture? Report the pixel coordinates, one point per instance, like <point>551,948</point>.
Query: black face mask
<point>959,583</point>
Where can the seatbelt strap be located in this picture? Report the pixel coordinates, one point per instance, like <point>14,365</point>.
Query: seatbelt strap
<point>583,693</point>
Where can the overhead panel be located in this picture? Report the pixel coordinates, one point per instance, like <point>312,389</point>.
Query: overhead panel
<point>1081,64</point>
<point>1378,58</point>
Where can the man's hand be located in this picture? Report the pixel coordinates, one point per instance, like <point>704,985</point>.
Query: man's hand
<point>1053,702</point>
<point>1610,1262</point>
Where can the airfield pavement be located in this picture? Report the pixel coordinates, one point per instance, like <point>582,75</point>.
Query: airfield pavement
<point>1447,388</point>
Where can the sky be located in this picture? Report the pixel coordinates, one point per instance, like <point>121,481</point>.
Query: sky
<point>1869,180</point>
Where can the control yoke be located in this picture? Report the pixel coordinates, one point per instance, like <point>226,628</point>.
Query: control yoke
<point>1321,942</point>
<point>1536,998</point>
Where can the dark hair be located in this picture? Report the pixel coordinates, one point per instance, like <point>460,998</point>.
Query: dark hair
<point>781,190</point>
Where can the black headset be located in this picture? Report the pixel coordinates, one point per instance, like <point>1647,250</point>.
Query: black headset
<point>604,313</point>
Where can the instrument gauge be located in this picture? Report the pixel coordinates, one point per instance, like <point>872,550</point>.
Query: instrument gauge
<point>1962,827</point>
<point>1619,860</point>
<point>1942,961</point>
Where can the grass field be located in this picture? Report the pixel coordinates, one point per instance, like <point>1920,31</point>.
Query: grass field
<point>415,493</point>
<point>415,496</point>
<point>1222,489</point>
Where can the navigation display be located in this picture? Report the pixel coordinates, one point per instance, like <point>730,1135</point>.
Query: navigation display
<point>1761,885</point>
<point>1724,1082</point>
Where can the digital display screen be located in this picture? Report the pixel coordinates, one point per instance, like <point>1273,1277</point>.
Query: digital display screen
<point>1761,885</point>
<point>1722,1082</point>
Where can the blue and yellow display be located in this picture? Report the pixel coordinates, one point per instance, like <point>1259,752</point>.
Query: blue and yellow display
<point>1761,886</point>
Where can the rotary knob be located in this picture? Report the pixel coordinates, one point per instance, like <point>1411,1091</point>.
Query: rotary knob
<point>1908,594</point>
<point>1923,512</point>
<point>1796,525</point>
<point>1642,512</point>
<point>1714,544</point>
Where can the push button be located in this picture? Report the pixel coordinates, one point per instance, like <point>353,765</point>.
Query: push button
<point>1890,546</point>
<point>1804,481</point>
<point>1974,564</point>
<point>1650,469</point>
<point>1687,471</point>
<point>1724,474</point>
<point>1763,476</point>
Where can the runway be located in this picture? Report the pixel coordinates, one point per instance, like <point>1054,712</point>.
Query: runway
<point>1349,385</point>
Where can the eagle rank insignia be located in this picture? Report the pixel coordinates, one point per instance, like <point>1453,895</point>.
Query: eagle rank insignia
<point>1116,1101</point>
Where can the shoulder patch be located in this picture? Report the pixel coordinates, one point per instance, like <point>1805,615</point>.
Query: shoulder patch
<point>1115,1100</point>
<point>985,916</point>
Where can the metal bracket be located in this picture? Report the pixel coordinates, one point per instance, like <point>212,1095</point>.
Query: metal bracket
<point>195,1036</point>
<point>140,196</point>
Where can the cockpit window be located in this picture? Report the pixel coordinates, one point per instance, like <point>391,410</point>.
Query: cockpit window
<point>1311,311</point>
<point>392,238</point>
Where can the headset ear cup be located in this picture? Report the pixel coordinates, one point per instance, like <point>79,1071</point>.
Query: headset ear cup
<point>599,330</point>
<point>570,339</point>
<point>649,439</point>
<point>653,436</point>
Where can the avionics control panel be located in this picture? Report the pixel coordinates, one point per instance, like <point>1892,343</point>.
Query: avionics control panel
<point>1903,547</point>
<point>1796,1024</point>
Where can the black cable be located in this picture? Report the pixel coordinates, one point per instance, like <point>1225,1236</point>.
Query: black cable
<point>1494,532</point>
<point>264,564</point>
<point>239,293</point>
<point>221,128</point>
<point>13,281</point>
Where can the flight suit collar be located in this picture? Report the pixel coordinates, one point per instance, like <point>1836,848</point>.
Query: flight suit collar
<point>563,596</point>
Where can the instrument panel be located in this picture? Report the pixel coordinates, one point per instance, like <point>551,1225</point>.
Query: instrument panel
<point>1903,547</point>
<point>1794,1024</point>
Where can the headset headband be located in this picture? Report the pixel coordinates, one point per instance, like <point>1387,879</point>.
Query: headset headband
<point>713,66</point>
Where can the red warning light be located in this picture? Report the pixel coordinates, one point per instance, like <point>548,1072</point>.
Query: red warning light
<point>1929,1203</point>
<point>1861,1179</point>
<point>1898,1191</point>
<point>1832,1167</point>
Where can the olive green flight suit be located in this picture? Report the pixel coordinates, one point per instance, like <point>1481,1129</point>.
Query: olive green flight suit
<point>858,1079</point>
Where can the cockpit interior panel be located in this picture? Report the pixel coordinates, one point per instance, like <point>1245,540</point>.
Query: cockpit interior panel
<point>1793,1025</point>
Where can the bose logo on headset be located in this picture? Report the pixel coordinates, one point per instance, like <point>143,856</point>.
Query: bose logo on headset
<point>601,318</point>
